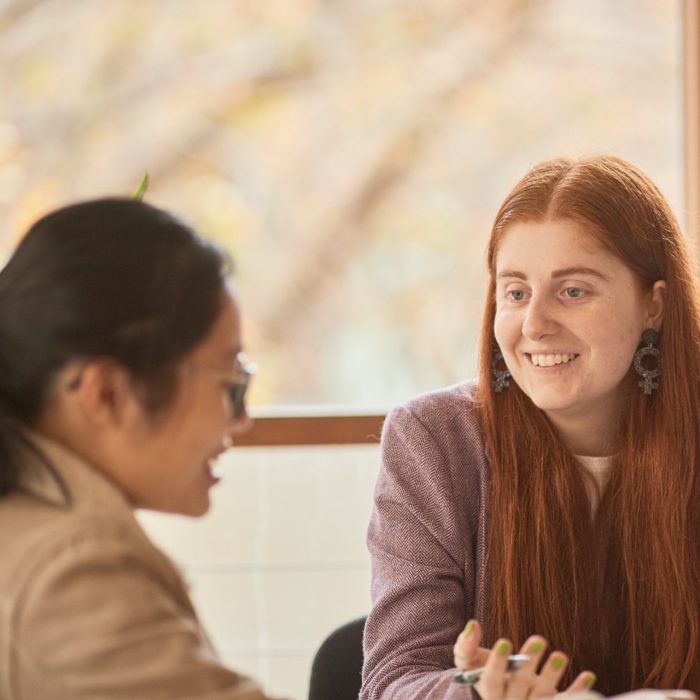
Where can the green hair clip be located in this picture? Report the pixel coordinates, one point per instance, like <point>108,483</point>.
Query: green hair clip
<point>141,189</point>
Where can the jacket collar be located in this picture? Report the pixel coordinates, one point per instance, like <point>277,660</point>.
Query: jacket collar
<point>52,473</point>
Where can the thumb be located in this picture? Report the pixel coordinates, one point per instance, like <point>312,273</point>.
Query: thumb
<point>466,649</point>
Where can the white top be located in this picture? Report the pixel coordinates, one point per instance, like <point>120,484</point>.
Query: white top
<point>599,469</point>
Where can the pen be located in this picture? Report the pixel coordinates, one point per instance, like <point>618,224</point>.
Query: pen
<point>469,678</point>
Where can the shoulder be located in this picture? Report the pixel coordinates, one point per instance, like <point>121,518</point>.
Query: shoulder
<point>456,404</point>
<point>65,512</point>
<point>82,550</point>
<point>41,543</point>
<point>68,565</point>
<point>447,417</point>
<point>101,577</point>
<point>433,445</point>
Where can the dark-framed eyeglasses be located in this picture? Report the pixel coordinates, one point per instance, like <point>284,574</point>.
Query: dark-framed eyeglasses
<point>236,385</point>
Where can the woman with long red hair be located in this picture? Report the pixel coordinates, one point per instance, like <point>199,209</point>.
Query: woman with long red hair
<point>559,495</point>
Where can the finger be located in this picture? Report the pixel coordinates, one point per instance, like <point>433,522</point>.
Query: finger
<point>584,681</point>
<point>475,662</point>
<point>492,683</point>
<point>550,675</point>
<point>466,648</point>
<point>522,679</point>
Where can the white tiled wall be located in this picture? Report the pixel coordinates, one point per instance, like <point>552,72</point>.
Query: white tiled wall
<point>280,560</point>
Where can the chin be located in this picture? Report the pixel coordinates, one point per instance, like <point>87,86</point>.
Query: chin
<point>190,507</point>
<point>550,402</point>
<point>197,509</point>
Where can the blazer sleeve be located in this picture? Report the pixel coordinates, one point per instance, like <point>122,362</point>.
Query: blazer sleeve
<point>422,539</point>
<point>97,620</point>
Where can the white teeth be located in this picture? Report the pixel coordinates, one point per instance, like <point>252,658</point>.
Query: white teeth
<point>216,469</point>
<point>551,360</point>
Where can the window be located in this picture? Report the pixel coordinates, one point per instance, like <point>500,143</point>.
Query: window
<point>350,154</point>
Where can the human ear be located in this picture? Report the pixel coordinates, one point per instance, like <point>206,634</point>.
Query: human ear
<point>104,392</point>
<point>655,305</point>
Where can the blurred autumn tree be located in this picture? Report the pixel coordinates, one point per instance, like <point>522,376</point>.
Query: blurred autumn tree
<point>350,153</point>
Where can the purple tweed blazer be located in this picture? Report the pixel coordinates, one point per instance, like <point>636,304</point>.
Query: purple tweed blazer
<point>427,541</point>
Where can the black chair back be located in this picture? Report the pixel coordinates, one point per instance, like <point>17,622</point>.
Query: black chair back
<point>336,672</point>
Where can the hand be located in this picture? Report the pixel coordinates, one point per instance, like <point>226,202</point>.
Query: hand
<point>523,684</point>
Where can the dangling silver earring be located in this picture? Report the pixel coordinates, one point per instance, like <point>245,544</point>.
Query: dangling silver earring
<point>648,347</point>
<point>500,376</point>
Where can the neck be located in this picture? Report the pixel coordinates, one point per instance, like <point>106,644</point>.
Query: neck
<point>589,436</point>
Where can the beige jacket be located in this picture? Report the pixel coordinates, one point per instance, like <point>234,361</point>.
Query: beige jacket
<point>89,608</point>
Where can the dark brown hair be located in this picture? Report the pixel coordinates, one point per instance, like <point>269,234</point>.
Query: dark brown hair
<point>106,278</point>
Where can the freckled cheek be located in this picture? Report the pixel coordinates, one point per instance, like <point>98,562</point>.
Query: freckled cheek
<point>615,338</point>
<point>507,330</point>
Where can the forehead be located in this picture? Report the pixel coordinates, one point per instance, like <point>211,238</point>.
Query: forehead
<point>544,246</point>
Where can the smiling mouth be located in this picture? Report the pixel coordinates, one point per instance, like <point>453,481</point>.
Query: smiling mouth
<point>215,468</point>
<point>550,360</point>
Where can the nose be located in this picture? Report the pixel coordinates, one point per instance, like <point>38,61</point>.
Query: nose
<point>539,319</point>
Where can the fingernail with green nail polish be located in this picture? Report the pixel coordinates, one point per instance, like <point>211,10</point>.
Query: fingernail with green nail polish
<point>590,681</point>
<point>469,628</point>
<point>503,647</point>
<point>558,663</point>
<point>535,648</point>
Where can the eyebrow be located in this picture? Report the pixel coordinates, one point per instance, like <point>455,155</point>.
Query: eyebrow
<point>556,274</point>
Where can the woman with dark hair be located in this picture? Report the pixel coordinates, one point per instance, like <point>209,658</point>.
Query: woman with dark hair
<point>121,382</point>
<point>560,494</point>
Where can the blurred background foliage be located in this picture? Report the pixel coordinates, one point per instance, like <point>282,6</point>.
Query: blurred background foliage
<point>350,153</point>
